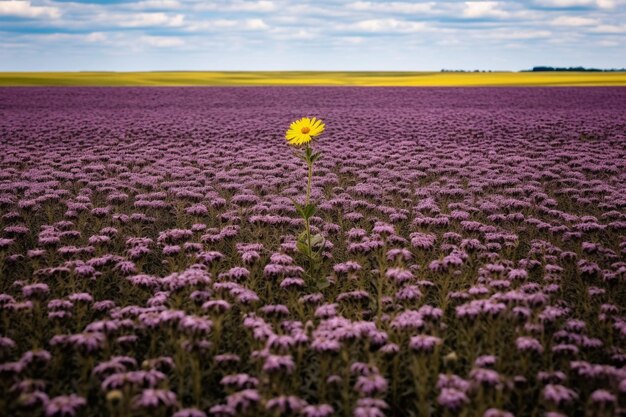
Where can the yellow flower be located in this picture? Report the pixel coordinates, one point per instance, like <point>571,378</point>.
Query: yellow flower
<point>302,131</point>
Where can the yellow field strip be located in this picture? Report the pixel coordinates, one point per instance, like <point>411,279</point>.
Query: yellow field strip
<point>310,78</point>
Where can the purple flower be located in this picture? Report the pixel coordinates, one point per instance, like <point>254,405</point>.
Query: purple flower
<point>424,343</point>
<point>602,396</point>
<point>409,319</point>
<point>408,293</point>
<point>558,394</point>
<point>320,344</point>
<point>371,384</point>
<point>34,290</point>
<point>452,381</point>
<point>370,407</point>
<point>209,258</point>
<point>292,283</point>
<point>278,363</point>
<point>528,344</point>
<point>485,376</point>
<point>326,311</point>
<point>485,361</point>
<point>240,381</point>
<point>189,412</point>
<point>33,398</point>
<point>195,324</point>
<point>64,406</point>
<point>238,273</point>
<point>399,275</point>
<point>87,341</point>
<point>390,349</point>
<point>222,411</point>
<point>281,258</point>
<point>346,267</point>
<point>285,404</point>
<point>226,357</point>
<point>243,400</point>
<point>5,243</point>
<point>452,398</point>
<point>217,306</point>
<point>322,410</point>
<point>81,297</point>
<point>35,356</point>
<point>153,398</point>
<point>6,344</point>
<point>494,412</point>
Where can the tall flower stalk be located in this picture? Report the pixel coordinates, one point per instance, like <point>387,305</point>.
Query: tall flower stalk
<point>300,134</point>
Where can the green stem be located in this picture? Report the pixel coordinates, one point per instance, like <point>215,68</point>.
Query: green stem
<point>308,198</point>
<point>308,188</point>
<point>308,237</point>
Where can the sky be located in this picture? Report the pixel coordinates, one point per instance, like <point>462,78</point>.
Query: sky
<point>121,35</point>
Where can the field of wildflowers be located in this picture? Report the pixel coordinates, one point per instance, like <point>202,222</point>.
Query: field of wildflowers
<point>473,260</point>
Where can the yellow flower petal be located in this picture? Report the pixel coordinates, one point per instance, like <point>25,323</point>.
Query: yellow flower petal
<point>303,130</point>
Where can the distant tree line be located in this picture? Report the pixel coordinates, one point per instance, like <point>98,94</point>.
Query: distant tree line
<point>574,69</point>
<point>547,69</point>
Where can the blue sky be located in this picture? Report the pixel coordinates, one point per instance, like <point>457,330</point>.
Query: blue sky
<point>120,35</point>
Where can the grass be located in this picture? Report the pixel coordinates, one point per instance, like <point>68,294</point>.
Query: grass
<point>312,78</point>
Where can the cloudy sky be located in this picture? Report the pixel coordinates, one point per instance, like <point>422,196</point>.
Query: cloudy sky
<point>310,35</point>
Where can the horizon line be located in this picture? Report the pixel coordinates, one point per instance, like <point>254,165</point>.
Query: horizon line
<point>315,78</point>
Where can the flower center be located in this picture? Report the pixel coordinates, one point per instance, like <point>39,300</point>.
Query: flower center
<point>305,130</point>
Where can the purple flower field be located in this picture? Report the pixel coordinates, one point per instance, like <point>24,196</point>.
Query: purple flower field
<point>474,264</point>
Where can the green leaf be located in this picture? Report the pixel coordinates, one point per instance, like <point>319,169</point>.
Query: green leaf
<point>309,210</point>
<point>299,208</point>
<point>316,156</point>
<point>305,211</point>
<point>303,237</point>
<point>302,247</point>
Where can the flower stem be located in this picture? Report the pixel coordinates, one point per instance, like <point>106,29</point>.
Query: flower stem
<point>310,165</point>
<point>308,198</point>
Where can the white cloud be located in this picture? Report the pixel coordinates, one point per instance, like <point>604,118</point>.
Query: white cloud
<point>603,4</point>
<point>395,7</point>
<point>608,42</point>
<point>302,34</point>
<point>162,41</point>
<point>148,19</point>
<point>155,4</point>
<point>253,6</point>
<point>352,40</point>
<point>606,4</point>
<point>610,29</point>
<point>94,37</point>
<point>574,21</point>
<point>22,8</point>
<point>254,24</point>
<point>388,25</point>
<point>218,24</point>
<point>237,6</point>
<point>480,9</point>
<point>518,34</point>
<point>564,3</point>
<point>290,33</point>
